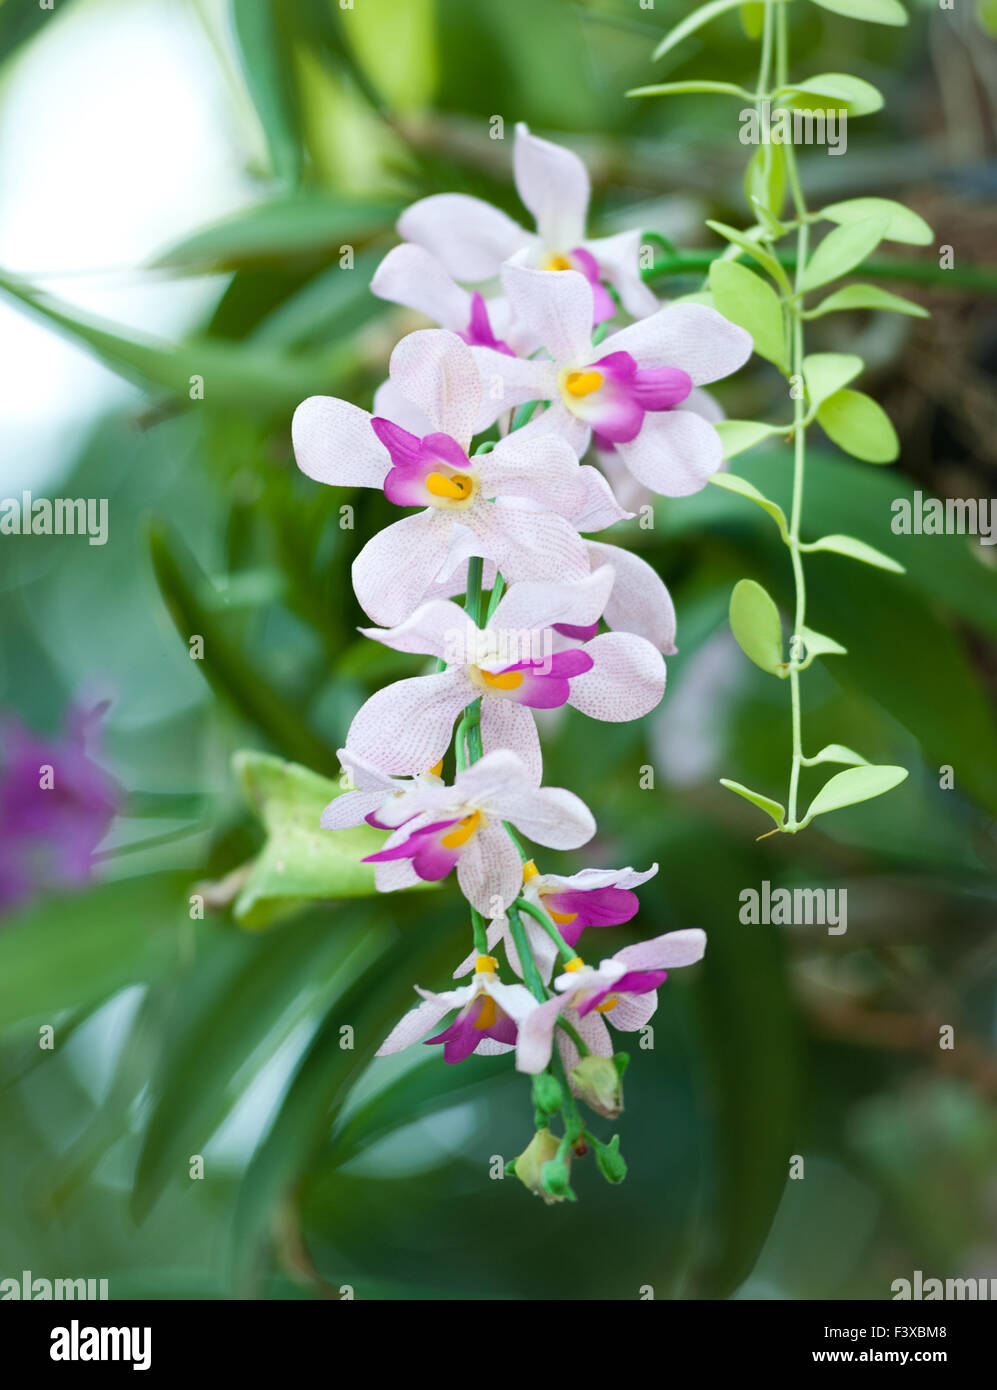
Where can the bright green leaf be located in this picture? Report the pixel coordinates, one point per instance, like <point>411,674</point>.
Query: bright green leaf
<point>746,243</point>
<point>299,860</point>
<point>755,623</point>
<point>692,22</point>
<point>836,753</point>
<point>746,299</point>
<point>818,644</point>
<point>856,550</point>
<point>667,89</point>
<point>901,223</point>
<point>841,251</point>
<point>859,98</point>
<point>731,483</point>
<point>860,426</point>
<point>866,297</point>
<point>872,11</point>
<point>827,372</point>
<point>853,785</point>
<point>267,63</point>
<point>771,808</point>
<point>753,18</point>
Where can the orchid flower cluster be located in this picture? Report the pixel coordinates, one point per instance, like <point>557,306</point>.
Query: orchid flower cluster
<point>477,437</point>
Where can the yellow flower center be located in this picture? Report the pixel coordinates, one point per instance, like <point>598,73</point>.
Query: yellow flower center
<point>486,1019</point>
<point>606,1005</point>
<point>562,918</point>
<point>530,870</point>
<point>505,680</point>
<point>576,964</point>
<point>458,487</point>
<point>462,832</point>
<point>485,965</point>
<point>579,384</point>
<point>558,262</point>
<point>437,769</point>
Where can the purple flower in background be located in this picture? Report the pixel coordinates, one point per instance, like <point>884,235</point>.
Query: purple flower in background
<point>56,805</point>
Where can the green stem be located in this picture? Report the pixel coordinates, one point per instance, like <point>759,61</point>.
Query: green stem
<point>981,278</point>
<point>568,953</point>
<point>575,1036</point>
<point>530,972</point>
<point>794,309</point>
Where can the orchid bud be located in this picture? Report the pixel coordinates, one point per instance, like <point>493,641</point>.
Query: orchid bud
<point>611,1163</point>
<point>527,1167</point>
<point>554,1183</point>
<point>597,1081</point>
<point>547,1094</point>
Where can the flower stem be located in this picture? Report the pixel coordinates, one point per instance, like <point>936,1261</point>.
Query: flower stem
<point>567,952</point>
<point>530,972</point>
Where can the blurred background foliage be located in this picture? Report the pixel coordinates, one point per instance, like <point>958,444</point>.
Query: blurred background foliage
<point>260,139</point>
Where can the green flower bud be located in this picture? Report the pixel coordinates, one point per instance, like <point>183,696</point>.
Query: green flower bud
<point>547,1094</point>
<point>597,1081</point>
<point>554,1183</point>
<point>612,1165</point>
<point>527,1167</point>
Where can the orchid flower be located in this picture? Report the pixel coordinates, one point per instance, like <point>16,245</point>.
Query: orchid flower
<point>487,1019</point>
<point>409,275</point>
<point>471,239</point>
<point>372,790</point>
<point>623,989</point>
<point>592,898</point>
<point>624,390</point>
<point>468,502</point>
<point>440,828</point>
<point>513,666</point>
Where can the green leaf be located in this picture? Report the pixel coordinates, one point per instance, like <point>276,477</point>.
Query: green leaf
<point>859,98</point>
<point>841,250</point>
<point>692,22</point>
<point>866,297</point>
<point>836,753</point>
<point>300,860</point>
<point>860,426</point>
<point>856,550</point>
<point>753,18</point>
<point>75,950</point>
<point>827,372</point>
<point>818,644</point>
<point>666,89</point>
<point>746,243</point>
<point>755,623</point>
<point>268,64</point>
<point>765,179</point>
<point>233,375</point>
<point>854,785</point>
<point>745,298</point>
<point>775,809</point>
<point>192,604</point>
<point>901,223</point>
<point>230,1005</point>
<point>871,11</point>
<point>731,483</point>
<point>307,224</point>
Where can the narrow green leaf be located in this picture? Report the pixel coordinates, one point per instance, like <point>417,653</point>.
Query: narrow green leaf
<point>666,89</point>
<point>856,550</point>
<point>775,809</point>
<point>755,623</point>
<point>267,64</point>
<point>860,426</point>
<point>841,250</point>
<point>746,299</point>
<point>902,224</point>
<point>818,644</point>
<point>738,435</point>
<point>866,297</point>
<point>827,372</point>
<point>731,483</point>
<point>853,785</point>
<point>758,253</point>
<point>857,97</point>
<point>871,11</point>
<point>836,753</point>
<point>765,181</point>
<point>225,667</point>
<point>692,22</point>
<point>753,18</point>
<point>306,224</point>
